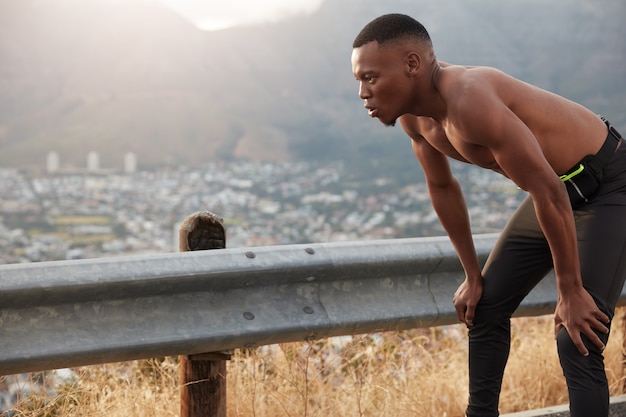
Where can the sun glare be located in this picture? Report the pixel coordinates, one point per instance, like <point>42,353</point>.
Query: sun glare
<point>215,24</point>
<point>210,15</point>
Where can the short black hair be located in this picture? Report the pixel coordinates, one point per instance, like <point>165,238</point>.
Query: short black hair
<point>391,27</point>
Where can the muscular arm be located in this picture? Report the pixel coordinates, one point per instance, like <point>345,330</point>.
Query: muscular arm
<point>448,202</point>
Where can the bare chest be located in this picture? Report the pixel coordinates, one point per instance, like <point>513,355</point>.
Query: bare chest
<point>451,143</point>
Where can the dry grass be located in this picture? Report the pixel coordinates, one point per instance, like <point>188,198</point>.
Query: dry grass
<point>421,372</point>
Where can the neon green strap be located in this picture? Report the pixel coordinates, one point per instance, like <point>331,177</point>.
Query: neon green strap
<point>571,175</point>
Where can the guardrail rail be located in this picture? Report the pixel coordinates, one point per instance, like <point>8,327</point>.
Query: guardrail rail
<point>82,312</point>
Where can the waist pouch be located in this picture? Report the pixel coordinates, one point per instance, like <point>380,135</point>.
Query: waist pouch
<point>582,183</point>
<point>584,179</point>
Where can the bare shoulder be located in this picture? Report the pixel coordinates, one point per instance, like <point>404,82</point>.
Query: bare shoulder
<point>463,85</point>
<point>483,91</point>
<point>489,108</point>
<point>457,81</point>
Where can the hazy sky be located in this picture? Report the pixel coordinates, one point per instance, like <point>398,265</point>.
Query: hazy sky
<point>219,14</point>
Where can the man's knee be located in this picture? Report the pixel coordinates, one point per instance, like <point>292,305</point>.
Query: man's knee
<point>579,370</point>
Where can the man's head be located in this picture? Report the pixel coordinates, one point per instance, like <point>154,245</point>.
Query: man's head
<point>389,58</point>
<point>389,28</point>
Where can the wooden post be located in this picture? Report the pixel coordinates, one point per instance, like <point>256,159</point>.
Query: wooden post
<point>203,376</point>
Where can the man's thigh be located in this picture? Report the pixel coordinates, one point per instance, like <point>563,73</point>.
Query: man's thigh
<point>519,260</point>
<point>601,232</point>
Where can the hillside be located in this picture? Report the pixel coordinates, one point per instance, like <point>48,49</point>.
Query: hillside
<point>115,76</point>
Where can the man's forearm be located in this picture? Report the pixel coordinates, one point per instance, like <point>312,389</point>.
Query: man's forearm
<point>451,209</point>
<point>557,222</point>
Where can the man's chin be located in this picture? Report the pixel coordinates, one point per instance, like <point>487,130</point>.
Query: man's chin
<point>390,123</point>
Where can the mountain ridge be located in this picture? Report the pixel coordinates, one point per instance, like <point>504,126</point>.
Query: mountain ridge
<point>78,77</point>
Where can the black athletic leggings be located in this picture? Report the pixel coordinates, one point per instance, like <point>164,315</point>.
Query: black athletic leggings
<point>519,260</point>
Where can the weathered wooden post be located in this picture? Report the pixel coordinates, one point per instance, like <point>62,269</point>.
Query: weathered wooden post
<point>203,376</point>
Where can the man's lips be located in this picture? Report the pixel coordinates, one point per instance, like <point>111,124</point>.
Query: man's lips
<point>372,111</point>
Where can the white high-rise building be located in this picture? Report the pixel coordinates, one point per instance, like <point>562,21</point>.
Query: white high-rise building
<point>52,162</point>
<point>130,163</point>
<point>93,162</point>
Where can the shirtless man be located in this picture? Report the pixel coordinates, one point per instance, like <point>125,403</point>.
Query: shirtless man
<point>538,140</point>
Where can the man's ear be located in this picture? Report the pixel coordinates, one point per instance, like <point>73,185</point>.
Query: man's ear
<point>413,63</point>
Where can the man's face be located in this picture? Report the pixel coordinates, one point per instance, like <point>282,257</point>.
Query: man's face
<point>383,82</point>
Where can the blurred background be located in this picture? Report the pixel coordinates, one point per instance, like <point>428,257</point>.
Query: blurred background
<point>274,84</point>
<point>118,118</point>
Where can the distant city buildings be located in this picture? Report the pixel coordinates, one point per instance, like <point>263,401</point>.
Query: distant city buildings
<point>76,214</point>
<point>92,164</point>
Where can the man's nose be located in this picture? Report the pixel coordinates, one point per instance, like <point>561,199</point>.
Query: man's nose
<point>363,91</point>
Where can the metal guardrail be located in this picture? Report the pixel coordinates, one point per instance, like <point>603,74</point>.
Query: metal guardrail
<point>83,312</point>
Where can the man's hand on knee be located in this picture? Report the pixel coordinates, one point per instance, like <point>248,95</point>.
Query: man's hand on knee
<point>578,313</point>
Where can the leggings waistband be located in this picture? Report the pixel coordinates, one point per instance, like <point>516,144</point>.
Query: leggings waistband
<point>611,144</point>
